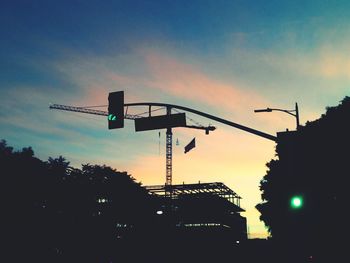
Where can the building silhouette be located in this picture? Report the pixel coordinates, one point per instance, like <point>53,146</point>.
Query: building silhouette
<point>200,212</point>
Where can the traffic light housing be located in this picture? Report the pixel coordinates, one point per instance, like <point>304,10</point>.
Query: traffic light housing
<point>116,110</point>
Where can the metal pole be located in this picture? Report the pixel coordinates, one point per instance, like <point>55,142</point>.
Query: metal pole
<point>169,159</point>
<point>206,115</point>
<point>297,115</point>
<point>169,156</point>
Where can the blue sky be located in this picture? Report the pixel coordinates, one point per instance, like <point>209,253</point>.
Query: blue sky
<point>222,57</point>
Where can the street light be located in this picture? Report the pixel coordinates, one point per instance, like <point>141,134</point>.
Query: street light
<point>294,112</point>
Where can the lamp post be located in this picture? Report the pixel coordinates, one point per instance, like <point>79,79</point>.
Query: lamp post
<point>294,112</point>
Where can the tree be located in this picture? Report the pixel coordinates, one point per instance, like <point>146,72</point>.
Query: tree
<point>4,149</point>
<point>60,213</point>
<point>312,163</point>
<point>58,166</point>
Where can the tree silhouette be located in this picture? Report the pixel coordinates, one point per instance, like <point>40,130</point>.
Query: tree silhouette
<point>4,149</point>
<point>58,166</point>
<point>312,163</point>
<point>58,213</point>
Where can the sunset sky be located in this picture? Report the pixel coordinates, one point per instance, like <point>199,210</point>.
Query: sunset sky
<point>225,58</point>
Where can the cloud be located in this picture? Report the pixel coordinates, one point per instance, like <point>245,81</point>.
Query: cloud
<point>152,69</point>
<point>333,64</point>
<point>328,60</point>
<point>324,63</point>
<point>185,81</point>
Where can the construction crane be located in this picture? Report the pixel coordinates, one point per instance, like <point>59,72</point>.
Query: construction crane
<point>169,133</point>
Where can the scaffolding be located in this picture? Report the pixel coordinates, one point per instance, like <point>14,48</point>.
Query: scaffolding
<point>216,189</point>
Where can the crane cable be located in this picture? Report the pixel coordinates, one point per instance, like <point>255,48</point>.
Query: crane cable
<point>190,119</point>
<point>100,106</point>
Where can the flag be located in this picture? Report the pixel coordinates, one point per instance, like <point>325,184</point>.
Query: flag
<point>191,145</point>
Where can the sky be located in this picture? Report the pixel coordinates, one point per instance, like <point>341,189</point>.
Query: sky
<point>225,58</point>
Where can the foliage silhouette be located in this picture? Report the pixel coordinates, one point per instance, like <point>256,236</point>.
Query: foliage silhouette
<point>312,162</point>
<point>58,213</point>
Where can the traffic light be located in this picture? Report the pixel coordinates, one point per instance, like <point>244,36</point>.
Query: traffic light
<point>116,110</point>
<point>296,202</point>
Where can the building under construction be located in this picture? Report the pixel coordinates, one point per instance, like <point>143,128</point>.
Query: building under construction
<point>203,211</point>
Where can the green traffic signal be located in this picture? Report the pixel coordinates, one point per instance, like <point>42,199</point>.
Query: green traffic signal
<point>296,202</point>
<point>112,117</point>
<point>116,110</point>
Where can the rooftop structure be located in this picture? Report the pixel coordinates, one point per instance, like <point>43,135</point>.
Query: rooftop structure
<point>200,189</point>
<point>205,211</point>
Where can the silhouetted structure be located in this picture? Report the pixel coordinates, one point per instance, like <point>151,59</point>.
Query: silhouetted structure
<point>203,211</point>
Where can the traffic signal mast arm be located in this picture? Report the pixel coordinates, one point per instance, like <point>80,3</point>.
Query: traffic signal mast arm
<point>133,117</point>
<point>105,113</point>
<point>212,117</point>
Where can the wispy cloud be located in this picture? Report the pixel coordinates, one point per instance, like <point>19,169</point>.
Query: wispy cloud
<point>185,81</point>
<point>324,62</point>
<point>326,55</point>
<point>153,70</point>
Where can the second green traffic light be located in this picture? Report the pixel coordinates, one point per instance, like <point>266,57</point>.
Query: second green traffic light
<point>296,202</point>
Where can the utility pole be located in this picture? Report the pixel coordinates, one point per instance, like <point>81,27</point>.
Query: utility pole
<point>297,115</point>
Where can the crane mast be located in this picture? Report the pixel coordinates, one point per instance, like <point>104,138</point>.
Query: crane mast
<point>169,155</point>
